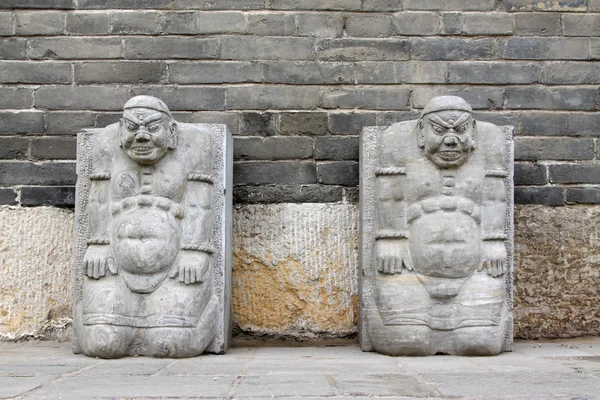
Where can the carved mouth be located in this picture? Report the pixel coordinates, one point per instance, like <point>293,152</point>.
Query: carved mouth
<point>142,150</point>
<point>450,155</point>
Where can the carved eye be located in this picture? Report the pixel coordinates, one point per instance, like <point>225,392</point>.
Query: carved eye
<point>438,129</point>
<point>153,128</point>
<point>461,129</point>
<point>132,127</point>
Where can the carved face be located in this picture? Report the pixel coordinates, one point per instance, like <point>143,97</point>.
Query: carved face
<point>147,135</point>
<point>447,137</point>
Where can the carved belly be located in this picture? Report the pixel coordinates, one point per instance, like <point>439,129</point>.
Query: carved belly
<point>445,244</point>
<point>145,240</point>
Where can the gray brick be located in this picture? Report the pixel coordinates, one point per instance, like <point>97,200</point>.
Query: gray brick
<point>120,72</point>
<point>181,23</point>
<point>269,24</point>
<point>530,174</point>
<point>279,172</point>
<point>218,5</point>
<point>583,124</point>
<point>309,72</point>
<point>336,148</point>
<point>54,148</point>
<point>273,97</point>
<point>21,122</point>
<point>382,5</point>
<point>416,23</point>
<point>266,48</point>
<point>13,148</point>
<point>75,48</point>
<point>387,118</point>
<point>68,123</point>
<point>487,23</point>
<point>13,49</point>
<point>192,98</point>
<point>351,194</point>
<point>595,49</point>
<point>303,123</point>
<point>9,197</point>
<point>583,73</point>
<point>215,72</point>
<point>54,4</point>
<point>338,173</point>
<point>547,49</point>
<point>29,173</point>
<point>375,72</point>
<point>534,149</point>
<point>575,173</point>
<point>55,196</point>
<point>124,4</point>
<point>104,119</point>
<point>480,97</point>
<point>494,73</point>
<point>537,24</point>
<point>551,98</point>
<point>450,5</point>
<point>6,28</point>
<point>31,72</point>
<point>39,23</point>
<point>319,24</point>
<point>581,25</point>
<point>135,22</point>
<point>368,25</point>
<point>231,119</point>
<point>350,123</point>
<point>545,5</point>
<point>213,22</point>
<point>272,148</point>
<point>151,48</point>
<point>544,123</point>
<point>362,49</point>
<point>286,194</point>
<point>583,195</point>
<point>451,23</point>
<point>454,49</point>
<point>15,97</point>
<point>498,118</point>
<point>88,23</point>
<point>380,98</point>
<point>261,124</point>
<point>315,4</point>
<point>546,195</point>
<point>81,97</point>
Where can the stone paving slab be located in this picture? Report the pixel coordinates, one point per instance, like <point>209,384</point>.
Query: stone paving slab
<point>540,370</point>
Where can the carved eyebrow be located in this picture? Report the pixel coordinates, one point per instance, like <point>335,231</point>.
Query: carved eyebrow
<point>136,123</point>
<point>462,120</point>
<point>153,118</point>
<point>438,121</point>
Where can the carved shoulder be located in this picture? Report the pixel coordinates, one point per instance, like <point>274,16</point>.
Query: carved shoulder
<point>195,147</point>
<point>492,140</point>
<point>397,145</point>
<point>106,141</point>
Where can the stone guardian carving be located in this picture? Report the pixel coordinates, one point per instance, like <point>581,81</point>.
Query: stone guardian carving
<point>436,203</point>
<point>153,232</point>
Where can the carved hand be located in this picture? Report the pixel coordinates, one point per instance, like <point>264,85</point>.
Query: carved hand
<point>98,260</point>
<point>191,267</point>
<point>493,257</point>
<point>390,254</point>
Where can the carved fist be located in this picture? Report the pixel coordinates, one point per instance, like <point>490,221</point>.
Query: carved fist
<point>191,267</point>
<point>493,258</point>
<point>98,260</point>
<point>391,254</point>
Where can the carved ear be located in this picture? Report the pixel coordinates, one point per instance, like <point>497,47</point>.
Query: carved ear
<point>121,133</point>
<point>420,136</point>
<point>172,138</point>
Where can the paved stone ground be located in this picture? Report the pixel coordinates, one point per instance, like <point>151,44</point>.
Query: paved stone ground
<point>568,369</point>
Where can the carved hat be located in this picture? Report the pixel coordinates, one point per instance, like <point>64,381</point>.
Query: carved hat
<point>149,102</point>
<point>446,103</point>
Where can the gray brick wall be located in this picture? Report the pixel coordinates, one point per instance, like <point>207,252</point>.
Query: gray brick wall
<point>296,81</point>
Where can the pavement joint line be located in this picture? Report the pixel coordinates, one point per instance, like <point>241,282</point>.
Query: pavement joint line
<point>157,372</point>
<point>54,381</point>
<point>231,392</point>
<point>331,381</point>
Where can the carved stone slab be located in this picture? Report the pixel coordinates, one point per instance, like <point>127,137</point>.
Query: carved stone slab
<point>153,236</point>
<point>436,229</point>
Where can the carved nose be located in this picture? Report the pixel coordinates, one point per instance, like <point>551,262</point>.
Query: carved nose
<point>142,137</point>
<point>450,141</point>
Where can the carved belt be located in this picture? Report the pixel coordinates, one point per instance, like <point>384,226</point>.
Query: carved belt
<point>159,202</point>
<point>446,203</point>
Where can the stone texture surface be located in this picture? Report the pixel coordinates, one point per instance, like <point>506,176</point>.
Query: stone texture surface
<point>36,250</point>
<point>294,271</point>
<point>557,264</point>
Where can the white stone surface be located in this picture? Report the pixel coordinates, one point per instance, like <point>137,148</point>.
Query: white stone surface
<point>36,249</point>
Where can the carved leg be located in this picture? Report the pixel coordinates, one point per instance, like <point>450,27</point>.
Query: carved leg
<point>481,340</point>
